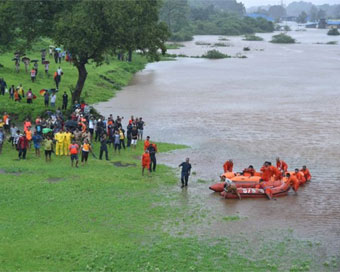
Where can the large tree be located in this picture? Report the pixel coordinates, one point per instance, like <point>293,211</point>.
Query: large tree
<point>91,29</point>
<point>175,14</point>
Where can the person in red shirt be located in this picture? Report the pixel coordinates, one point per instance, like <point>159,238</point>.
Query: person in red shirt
<point>146,162</point>
<point>22,145</point>
<point>266,172</point>
<point>275,172</point>
<point>147,143</point>
<point>293,181</point>
<point>306,173</point>
<point>228,166</point>
<point>300,176</point>
<point>250,171</point>
<point>282,165</point>
<point>74,150</point>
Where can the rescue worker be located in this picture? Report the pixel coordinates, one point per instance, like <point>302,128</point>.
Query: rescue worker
<point>250,171</point>
<point>300,176</point>
<point>266,172</point>
<point>293,181</point>
<point>146,162</point>
<point>74,150</point>
<point>67,141</point>
<point>146,143</point>
<point>282,165</point>
<point>59,143</point>
<point>228,166</point>
<point>275,172</point>
<point>306,173</point>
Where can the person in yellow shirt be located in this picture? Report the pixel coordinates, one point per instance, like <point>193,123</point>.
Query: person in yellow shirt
<point>85,150</point>
<point>59,145</point>
<point>67,141</point>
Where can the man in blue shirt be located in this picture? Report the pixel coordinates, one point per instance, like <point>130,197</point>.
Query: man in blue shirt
<point>186,168</point>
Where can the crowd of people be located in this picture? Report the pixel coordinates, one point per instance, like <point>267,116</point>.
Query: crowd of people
<point>76,134</point>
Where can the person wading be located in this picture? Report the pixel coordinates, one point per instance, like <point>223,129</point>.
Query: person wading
<point>186,168</point>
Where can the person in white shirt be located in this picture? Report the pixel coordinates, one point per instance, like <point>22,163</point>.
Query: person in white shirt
<point>53,100</point>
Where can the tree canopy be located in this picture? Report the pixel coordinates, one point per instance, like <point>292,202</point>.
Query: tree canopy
<point>88,30</point>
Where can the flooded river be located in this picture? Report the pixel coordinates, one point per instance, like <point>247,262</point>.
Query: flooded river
<point>282,100</point>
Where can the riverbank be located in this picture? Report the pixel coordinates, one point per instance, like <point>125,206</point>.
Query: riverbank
<point>102,82</point>
<point>106,216</point>
<point>280,101</point>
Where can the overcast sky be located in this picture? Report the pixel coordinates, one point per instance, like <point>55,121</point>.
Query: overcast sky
<point>250,3</point>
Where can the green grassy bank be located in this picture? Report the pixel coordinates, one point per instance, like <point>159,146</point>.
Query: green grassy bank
<point>101,217</point>
<point>101,84</point>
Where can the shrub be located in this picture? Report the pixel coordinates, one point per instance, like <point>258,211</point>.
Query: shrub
<point>252,37</point>
<point>220,44</point>
<point>333,32</point>
<point>282,38</point>
<point>202,43</point>
<point>181,36</point>
<point>215,54</point>
<point>332,42</point>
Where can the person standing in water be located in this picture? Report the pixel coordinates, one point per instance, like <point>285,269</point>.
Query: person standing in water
<point>186,168</point>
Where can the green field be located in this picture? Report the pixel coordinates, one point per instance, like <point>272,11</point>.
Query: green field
<point>101,84</point>
<point>101,217</point>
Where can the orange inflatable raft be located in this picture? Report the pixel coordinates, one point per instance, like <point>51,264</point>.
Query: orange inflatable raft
<point>241,181</point>
<point>274,189</point>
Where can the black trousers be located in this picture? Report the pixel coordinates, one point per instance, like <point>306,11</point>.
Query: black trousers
<point>102,150</point>
<point>64,106</point>
<point>122,143</point>
<point>22,153</point>
<point>184,179</point>
<point>153,162</point>
<point>128,141</point>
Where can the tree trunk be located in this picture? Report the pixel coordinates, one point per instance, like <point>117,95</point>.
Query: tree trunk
<point>130,55</point>
<point>82,74</point>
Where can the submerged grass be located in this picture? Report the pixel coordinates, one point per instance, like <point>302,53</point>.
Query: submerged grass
<point>102,217</point>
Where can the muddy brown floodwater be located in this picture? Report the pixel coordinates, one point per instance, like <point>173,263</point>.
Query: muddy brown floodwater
<point>283,100</point>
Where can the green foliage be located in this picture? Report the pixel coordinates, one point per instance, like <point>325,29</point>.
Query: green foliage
<point>282,38</point>
<point>202,43</point>
<point>220,44</point>
<point>252,37</point>
<point>174,45</point>
<point>302,18</point>
<point>183,35</point>
<point>332,42</point>
<point>231,218</point>
<point>333,32</point>
<point>102,81</point>
<point>215,54</point>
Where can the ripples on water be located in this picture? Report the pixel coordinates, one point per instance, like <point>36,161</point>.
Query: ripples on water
<point>283,101</point>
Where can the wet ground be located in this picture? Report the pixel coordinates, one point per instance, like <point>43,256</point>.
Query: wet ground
<point>282,101</point>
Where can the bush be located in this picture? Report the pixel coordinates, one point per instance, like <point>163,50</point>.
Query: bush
<point>252,37</point>
<point>202,43</point>
<point>332,42</point>
<point>282,38</point>
<point>181,36</point>
<point>333,32</point>
<point>220,44</point>
<point>215,54</point>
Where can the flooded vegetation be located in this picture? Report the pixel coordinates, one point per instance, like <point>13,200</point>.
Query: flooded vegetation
<point>280,101</point>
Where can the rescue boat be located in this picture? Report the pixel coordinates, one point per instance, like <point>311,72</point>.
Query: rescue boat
<point>241,181</point>
<point>263,192</point>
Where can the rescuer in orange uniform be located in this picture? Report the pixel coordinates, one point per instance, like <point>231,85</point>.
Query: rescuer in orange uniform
<point>146,143</point>
<point>146,162</point>
<point>306,173</point>
<point>293,181</point>
<point>228,166</point>
<point>266,172</point>
<point>282,165</point>
<point>250,171</point>
<point>300,176</point>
